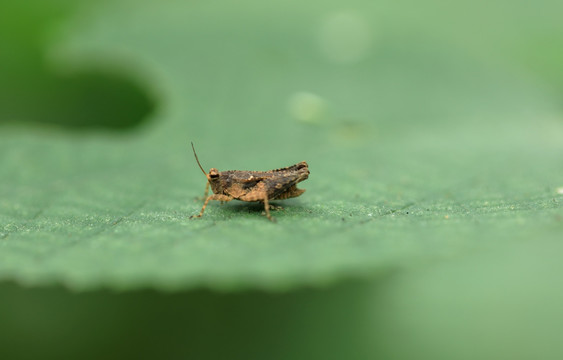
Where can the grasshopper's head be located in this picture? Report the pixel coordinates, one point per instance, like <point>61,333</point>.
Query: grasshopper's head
<point>213,174</point>
<point>214,180</point>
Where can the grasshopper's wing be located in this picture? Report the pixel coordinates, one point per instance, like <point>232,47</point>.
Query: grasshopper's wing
<point>267,188</point>
<point>249,179</point>
<point>283,186</point>
<point>293,168</point>
<point>245,185</point>
<point>273,184</point>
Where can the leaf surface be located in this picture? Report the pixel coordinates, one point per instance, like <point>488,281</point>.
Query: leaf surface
<point>422,145</point>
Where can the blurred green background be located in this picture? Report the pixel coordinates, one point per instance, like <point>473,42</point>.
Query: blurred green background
<point>431,226</point>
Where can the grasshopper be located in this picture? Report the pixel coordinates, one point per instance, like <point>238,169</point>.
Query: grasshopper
<point>262,186</point>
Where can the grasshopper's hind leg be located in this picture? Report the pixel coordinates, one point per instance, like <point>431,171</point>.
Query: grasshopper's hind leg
<point>267,208</point>
<point>262,196</point>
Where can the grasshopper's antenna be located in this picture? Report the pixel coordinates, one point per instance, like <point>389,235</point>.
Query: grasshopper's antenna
<point>196,159</point>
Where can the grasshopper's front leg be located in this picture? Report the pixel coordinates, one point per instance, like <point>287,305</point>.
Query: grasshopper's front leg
<point>197,198</point>
<point>206,190</point>
<point>218,197</point>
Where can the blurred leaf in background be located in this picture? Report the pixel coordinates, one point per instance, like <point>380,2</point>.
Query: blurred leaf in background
<point>431,223</point>
<point>33,90</point>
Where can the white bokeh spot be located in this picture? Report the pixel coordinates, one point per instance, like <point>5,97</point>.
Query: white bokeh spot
<point>307,107</point>
<point>345,37</point>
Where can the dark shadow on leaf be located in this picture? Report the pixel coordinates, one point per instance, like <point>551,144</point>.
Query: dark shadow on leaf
<point>87,100</point>
<point>32,92</point>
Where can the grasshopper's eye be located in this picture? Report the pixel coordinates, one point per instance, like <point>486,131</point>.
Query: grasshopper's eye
<point>213,173</point>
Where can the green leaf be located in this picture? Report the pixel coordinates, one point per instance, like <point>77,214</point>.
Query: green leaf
<point>430,137</point>
<point>416,150</point>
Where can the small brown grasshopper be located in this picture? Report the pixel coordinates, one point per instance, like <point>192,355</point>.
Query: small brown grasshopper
<point>263,186</point>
